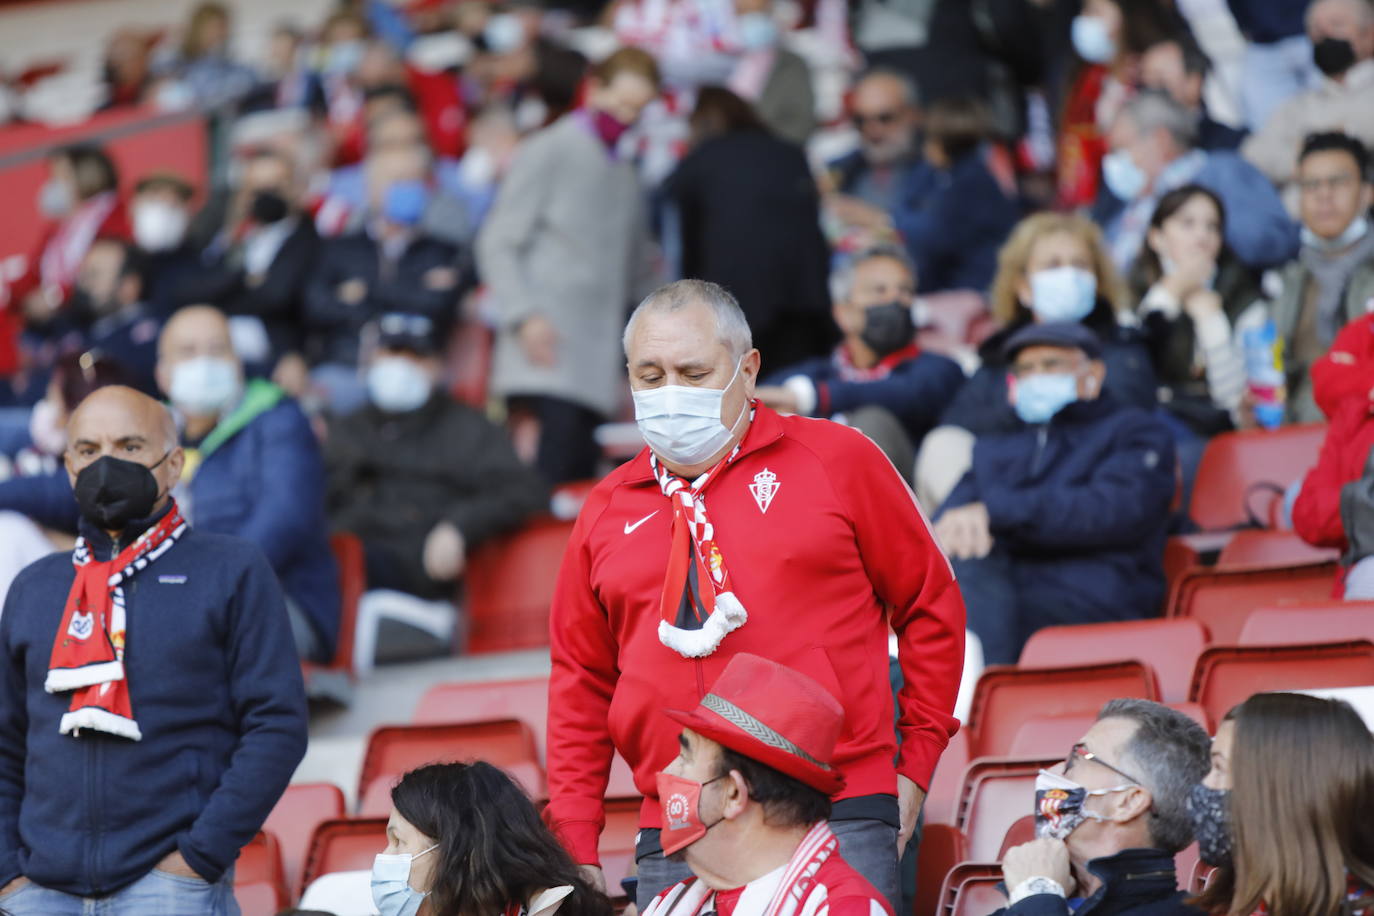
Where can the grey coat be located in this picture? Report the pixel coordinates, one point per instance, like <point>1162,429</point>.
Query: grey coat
<point>1287,312</point>
<point>567,238</point>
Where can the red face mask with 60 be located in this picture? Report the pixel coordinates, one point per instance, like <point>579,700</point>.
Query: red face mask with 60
<point>680,801</point>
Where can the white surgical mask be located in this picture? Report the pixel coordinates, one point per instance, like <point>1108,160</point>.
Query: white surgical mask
<point>1352,234</point>
<point>391,889</point>
<point>55,199</point>
<point>477,169</point>
<point>205,386</point>
<point>1124,178</point>
<point>504,33</point>
<point>757,31</point>
<point>47,435</point>
<point>1063,293</point>
<point>682,423</point>
<point>158,225</point>
<point>1091,39</point>
<point>397,385</point>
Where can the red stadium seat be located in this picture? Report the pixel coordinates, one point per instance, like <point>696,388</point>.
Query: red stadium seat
<point>1255,548</point>
<point>942,801</point>
<point>525,699</point>
<point>1222,599</point>
<point>260,862</point>
<point>1310,622</point>
<point>344,845</point>
<point>469,363</point>
<point>617,845</point>
<point>1041,736</point>
<point>970,889</point>
<point>1184,551</point>
<point>1227,675</point>
<point>1005,696</point>
<point>510,583</point>
<point>1234,462</point>
<point>301,808</point>
<point>261,898</point>
<point>952,314</point>
<point>394,750</point>
<point>998,791</point>
<point>1021,831</point>
<point>942,847</point>
<point>1184,865</point>
<point>334,681</point>
<point>1170,647</point>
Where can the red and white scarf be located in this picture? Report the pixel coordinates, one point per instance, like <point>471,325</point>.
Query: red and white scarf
<point>724,612</point>
<point>62,256</point>
<point>692,897</point>
<point>88,653</point>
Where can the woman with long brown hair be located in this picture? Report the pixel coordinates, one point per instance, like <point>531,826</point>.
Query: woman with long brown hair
<point>1287,811</point>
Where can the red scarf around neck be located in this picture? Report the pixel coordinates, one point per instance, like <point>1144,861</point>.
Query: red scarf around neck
<point>88,651</point>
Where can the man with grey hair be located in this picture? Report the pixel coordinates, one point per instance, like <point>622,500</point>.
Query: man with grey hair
<point>1153,151</point>
<point>878,379</point>
<point>1110,819</point>
<point>810,548</point>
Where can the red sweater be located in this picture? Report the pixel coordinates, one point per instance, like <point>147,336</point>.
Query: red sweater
<point>841,552</point>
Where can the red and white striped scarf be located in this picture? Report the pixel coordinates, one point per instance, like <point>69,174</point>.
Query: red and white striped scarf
<point>62,255</point>
<point>692,897</point>
<point>88,652</point>
<point>724,612</point>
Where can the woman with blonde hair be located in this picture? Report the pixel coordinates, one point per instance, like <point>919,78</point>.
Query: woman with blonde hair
<point>1287,812</point>
<point>1053,268</point>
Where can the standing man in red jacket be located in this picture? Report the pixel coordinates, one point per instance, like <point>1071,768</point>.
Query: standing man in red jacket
<point>740,530</point>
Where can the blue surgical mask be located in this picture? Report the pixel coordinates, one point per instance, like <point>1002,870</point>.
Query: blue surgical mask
<point>1063,294</point>
<point>1124,178</point>
<point>1039,397</point>
<point>404,203</point>
<point>391,889</point>
<point>757,31</point>
<point>1091,39</point>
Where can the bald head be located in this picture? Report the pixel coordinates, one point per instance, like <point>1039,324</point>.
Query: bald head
<point>197,332</point>
<point>119,422</point>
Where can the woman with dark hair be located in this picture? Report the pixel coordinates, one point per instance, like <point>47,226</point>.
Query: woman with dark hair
<point>1287,812</point>
<point>1196,302</point>
<point>747,216</point>
<point>464,840</point>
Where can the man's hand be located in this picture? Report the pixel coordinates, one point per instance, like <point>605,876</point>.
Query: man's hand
<point>1043,858</point>
<point>13,886</point>
<point>857,213</point>
<point>539,340</point>
<point>778,397</point>
<point>910,798</point>
<point>965,533</point>
<point>351,292</point>
<point>445,553</point>
<point>593,875</point>
<point>174,864</point>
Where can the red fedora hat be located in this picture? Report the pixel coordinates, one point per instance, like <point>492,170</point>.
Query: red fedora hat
<point>772,714</point>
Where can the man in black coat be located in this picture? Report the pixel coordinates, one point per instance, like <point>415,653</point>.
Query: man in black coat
<point>1111,818</point>
<point>420,478</point>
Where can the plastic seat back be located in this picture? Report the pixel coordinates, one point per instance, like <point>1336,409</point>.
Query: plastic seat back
<point>998,791</point>
<point>1022,830</point>
<point>259,898</point>
<point>344,844</point>
<point>942,847</point>
<point>1169,646</point>
<point>1234,462</point>
<point>260,862</point>
<point>510,583</point>
<point>970,889</point>
<point>301,808</point>
<point>617,845</point>
<point>1005,696</point>
<point>1226,675</point>
<point>942,802</point>
<point>1310,622</point>
<point>1222,599</point>
<point>1256,548</point>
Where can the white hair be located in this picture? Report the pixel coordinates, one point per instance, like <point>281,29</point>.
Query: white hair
<point>1152,109</point>
<point>1362,9</point>
<point>732,328</point>
<point>842,279</point>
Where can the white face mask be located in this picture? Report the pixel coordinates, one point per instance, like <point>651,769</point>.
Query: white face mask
<point>158,225</point>
<point>397,385</point>
<point>55,199</point>
<point>391,889</point>
<point>1352,234</point>
<point>1091,39</point>
<point>205,386</point>
<point>682,424</point>
<point>1063,293</point>
<point>48,437</point>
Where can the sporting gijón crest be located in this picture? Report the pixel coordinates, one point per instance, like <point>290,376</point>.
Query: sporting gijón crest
<point>764,488</point>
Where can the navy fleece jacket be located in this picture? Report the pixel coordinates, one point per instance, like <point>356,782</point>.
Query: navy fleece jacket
<point>216,689</point>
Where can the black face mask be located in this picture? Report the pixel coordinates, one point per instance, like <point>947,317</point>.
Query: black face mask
<point>1333,56</point>
<point>268,207</point>
<point>112,492</point>
<point>888,328</point>
<point>1210,810</point>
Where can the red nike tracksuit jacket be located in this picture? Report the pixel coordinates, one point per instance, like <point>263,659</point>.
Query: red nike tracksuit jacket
<point>841,551</point>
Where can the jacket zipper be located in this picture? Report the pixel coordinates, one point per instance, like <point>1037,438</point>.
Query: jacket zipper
<point>701,679</point>
<point>1042,437</point>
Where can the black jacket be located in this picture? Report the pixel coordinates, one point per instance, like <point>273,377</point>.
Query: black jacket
<point>394,477</point>
<point>423,280</point>
<point>1135,882</point>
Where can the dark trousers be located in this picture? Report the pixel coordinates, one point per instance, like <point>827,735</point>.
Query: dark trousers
<point>567,447</point>
<point>1001,617</point>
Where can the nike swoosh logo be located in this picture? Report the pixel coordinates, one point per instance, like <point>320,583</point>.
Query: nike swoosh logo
<point>629,527</point>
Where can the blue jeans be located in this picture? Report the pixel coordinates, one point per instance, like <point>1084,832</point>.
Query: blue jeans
<point>867,844</point>
<point>155,894</point>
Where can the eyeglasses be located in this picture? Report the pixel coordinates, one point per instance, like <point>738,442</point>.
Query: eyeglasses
<point>881,118</point>
<point>398,323</point>
<point>1333,183</point>
<point>1080,752</point>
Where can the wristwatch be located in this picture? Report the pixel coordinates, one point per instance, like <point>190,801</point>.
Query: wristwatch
<point>1036,884</point>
